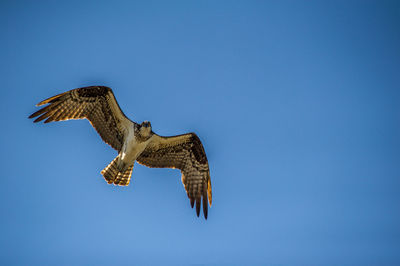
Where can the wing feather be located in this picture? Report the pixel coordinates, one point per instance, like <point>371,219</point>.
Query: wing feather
<point>95,103</point>
<point>184,152</point>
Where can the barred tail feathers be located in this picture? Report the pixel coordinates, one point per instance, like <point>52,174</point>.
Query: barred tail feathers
<point>111,171</point>
<point>123,178</point>
<point>113,175</point>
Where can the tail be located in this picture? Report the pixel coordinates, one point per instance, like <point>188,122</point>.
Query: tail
<point>113,175</point>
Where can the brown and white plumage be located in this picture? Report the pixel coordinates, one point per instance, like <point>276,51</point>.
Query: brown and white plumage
<point>184,152</point>
<point>133,141</point>
<point>96,104</point>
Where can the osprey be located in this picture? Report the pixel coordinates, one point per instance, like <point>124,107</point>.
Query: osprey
<point>134,142</point>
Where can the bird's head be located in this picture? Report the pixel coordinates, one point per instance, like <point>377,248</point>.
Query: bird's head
<point>145,128</point>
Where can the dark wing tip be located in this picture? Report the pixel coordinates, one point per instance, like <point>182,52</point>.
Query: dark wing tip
<point>48,120</point>
<point>192,202</point>
<point>37,113</point>
<point>45,111</point>
<point>209,189</point>
<point>198,202</point>
<point>40,118</point>
<point>198,205</point>
<point>205,204</point>
<point>31,116</point>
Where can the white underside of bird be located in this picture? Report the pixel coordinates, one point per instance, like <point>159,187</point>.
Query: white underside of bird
<point>131,149</point>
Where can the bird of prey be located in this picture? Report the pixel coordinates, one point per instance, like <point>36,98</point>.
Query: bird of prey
<point>133,141</point>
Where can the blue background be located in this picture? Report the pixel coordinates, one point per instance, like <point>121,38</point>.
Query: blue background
<point>296,103</point>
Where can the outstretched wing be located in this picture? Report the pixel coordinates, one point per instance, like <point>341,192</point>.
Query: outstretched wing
<point>95,103</point>
<point>186,153</point>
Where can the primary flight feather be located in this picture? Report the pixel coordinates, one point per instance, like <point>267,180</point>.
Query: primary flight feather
<point>134,142</point>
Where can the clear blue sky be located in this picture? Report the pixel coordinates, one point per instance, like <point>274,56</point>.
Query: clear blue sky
<point>296,103</point>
